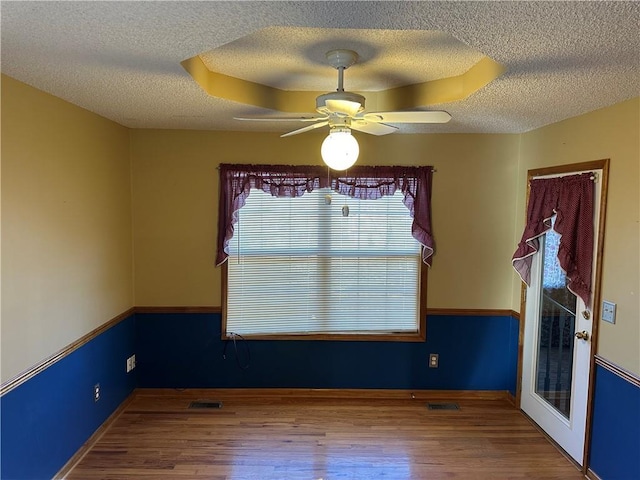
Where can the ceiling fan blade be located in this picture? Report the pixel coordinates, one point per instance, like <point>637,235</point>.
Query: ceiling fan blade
<point>408,117</point>
<point>307,128</point>
<point>372,127</point>
<point>303,118</point>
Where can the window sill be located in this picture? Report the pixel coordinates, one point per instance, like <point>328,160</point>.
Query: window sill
<point>346,337</point>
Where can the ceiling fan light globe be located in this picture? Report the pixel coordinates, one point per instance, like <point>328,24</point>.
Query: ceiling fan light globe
<point>340,150</point>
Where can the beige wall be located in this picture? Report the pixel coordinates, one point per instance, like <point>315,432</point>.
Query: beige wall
<point>67,207</point>
<point>612,133</point>
<point>66,224</point>
<point>479,190</point>
<point>175,196</point>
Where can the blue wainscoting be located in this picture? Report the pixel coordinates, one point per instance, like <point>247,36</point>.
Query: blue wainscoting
<point>184,350</point>
<point>45,420</point>
<point>48,418</point>
<point>615,434</point>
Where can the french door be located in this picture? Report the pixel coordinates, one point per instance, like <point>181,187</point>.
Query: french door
<point>557,344</point>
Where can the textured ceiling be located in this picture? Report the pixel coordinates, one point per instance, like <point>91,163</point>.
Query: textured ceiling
<point>122,59</point>
<point>386,58</point>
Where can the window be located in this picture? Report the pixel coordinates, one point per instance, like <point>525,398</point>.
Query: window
<point>299,267</point>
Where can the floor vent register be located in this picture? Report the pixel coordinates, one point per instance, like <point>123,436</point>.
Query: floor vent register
<point>205,404</point>
<point>443,406</point>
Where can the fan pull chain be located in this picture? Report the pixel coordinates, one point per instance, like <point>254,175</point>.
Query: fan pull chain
<point>327,197</point>
<point>345,207</point>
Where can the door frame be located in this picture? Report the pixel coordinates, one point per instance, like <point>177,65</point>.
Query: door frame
<point>597,291</point>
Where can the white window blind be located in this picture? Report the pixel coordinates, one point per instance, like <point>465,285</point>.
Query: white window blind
<point>298,266</point>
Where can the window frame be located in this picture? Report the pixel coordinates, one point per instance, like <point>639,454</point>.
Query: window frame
<point>364,182</point>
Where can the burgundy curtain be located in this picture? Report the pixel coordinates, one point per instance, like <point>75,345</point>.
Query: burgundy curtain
<point>571,198</point>
<point>363,182</point>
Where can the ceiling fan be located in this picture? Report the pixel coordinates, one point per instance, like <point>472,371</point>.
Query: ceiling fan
<point>343,111</point>
<point>346,110</point>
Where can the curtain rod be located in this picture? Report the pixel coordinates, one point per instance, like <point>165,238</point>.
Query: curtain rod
<point>593,175</point>
<point>434,170</point>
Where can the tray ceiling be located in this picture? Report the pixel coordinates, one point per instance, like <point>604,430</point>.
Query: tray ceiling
<point>122,60</point>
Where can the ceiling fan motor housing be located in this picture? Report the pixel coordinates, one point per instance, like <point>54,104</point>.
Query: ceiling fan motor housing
<point>345,103</point>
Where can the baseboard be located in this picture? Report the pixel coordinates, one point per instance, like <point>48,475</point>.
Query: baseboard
<point>592,475</point>
<point>285,393</point>
<point>93,439</point>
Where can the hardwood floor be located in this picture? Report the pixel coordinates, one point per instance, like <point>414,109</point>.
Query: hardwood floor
<point>158,437</point>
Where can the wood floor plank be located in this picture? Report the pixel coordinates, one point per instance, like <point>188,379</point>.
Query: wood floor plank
<point>286,438</point>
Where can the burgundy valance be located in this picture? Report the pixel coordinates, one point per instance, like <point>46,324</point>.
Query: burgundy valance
<point>363,182</point>
<point>571,198</point>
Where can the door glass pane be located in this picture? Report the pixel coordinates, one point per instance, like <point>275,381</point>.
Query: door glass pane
<point>556,329</point>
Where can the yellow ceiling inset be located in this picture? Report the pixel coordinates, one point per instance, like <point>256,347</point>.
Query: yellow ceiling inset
<point>282,68</point>
<point>423,94</point>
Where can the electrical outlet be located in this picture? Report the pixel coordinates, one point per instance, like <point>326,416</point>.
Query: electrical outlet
<point>433,360</point>
<point>128,364</point>
<point>96,392</point>
<point>609,311</point>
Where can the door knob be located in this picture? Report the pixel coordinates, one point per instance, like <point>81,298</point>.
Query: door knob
<point>583,335</point>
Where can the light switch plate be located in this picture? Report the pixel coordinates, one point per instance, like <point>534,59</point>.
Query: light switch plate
<point>609,311</point>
